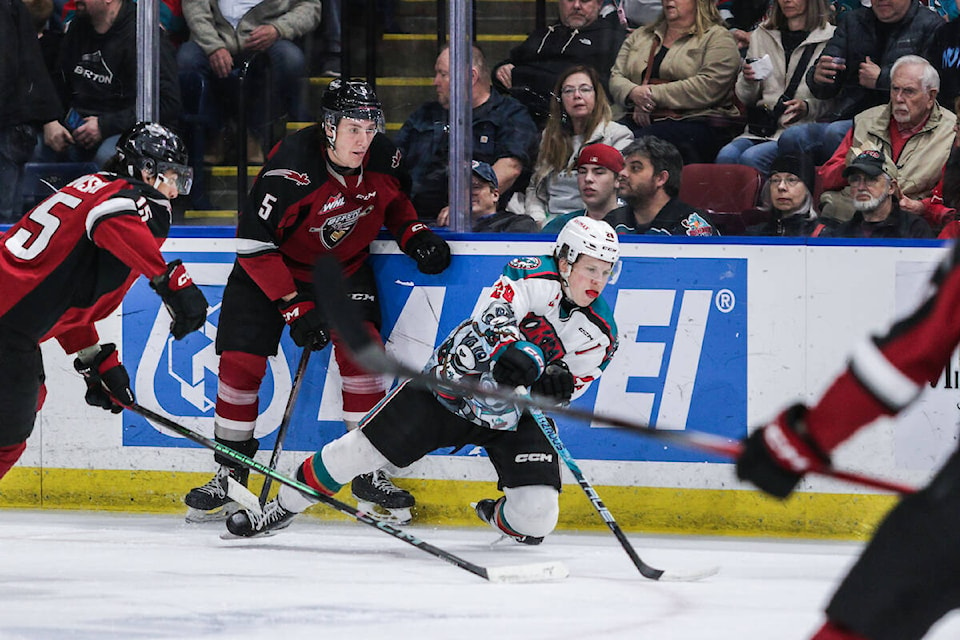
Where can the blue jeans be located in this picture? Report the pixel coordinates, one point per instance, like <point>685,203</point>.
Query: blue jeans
<point>76,153</point>
<point>817,139</point>
<point>755,153</point>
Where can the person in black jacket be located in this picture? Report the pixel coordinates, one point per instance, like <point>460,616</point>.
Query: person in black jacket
<point>484,198</point>
<point>97,79</point>
<point>581,36</point>
<point>787,205</point>
<point>854,70</point>
<point>27,100</point>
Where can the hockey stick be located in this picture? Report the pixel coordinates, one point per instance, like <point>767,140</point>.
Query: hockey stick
<point>285,422</point>
<point>645,570</point>
<point>328,281</point>
<point>517,573</point>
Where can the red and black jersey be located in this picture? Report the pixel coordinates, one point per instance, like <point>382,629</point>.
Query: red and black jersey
<point>72,258</point>
<point>299,209</point>
<point>887,373</point>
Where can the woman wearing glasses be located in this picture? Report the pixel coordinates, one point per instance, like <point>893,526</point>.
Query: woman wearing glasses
<point>579,115</point>
<point>787,200</point>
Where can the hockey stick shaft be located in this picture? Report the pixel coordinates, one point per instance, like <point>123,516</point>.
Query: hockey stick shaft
<point>285,422</point>
<point>328,280</point>
<point>250,463</point>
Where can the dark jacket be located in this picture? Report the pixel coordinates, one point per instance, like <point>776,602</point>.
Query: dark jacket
<point>798,225</point>
<point>97,73</point>
<point>27,95</point>
<point>859,34</point>
<point>506,222</point>
<point>943,53</point>
<point>676,218</point>
<point>550,51</point>
<point>899,224</point>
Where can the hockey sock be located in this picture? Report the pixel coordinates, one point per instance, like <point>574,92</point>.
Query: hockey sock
<point>830,631</point>
<point>313,474</point>
<point>9,456</point>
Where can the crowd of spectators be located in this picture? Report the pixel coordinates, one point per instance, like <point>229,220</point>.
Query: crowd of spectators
<point>799,90</point>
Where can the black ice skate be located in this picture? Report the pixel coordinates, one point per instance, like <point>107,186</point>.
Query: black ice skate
<point>210,503</point>
<point>486,510</point>
<point>382,500</point>
<point>247,524</point>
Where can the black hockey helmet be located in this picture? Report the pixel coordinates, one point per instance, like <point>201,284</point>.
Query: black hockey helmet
<point>151,147</point>
<point>353,99</point>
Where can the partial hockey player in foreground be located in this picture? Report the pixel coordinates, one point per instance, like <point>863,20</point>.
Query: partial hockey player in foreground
<point>908,577</point>
<point>325,189</point>
<point>543,326</point>
<point>69,262</point>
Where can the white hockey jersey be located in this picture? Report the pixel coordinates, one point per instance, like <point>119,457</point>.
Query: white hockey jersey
<point>526,303</point>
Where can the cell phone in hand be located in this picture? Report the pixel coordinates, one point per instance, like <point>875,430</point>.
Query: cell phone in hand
<point>73,120</point>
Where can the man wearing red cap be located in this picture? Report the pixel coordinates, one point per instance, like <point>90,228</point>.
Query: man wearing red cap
<point>598,171</point>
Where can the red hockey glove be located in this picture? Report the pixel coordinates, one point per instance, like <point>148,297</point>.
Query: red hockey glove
<point>107,381</point>
<point>307,326</point>
<point>183,299</point>
<point>431,252</point>
<point>555,383</point>
<point>777,456</point>
<point>518,365</point>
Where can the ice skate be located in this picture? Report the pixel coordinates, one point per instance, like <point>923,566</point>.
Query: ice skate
<point>486,511</point>
<point>382,500</point>
<point>210,502</point>
<point>246,524</point>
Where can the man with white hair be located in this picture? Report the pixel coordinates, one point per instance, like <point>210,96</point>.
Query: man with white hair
<point>912,129</point>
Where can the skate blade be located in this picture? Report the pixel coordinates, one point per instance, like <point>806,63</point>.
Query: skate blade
<point>198,516</point>
<point>382,514</point>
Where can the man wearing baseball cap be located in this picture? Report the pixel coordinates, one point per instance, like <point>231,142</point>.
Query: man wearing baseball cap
<point>484,196</point>
<point>598,171</point>
<point>876,201</point>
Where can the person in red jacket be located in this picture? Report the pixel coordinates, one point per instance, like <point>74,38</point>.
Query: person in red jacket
<point>69,262</point>
<point>908,577</point>
<point>328,188</point>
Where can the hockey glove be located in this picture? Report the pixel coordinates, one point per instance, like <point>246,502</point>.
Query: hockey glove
<point>108,385</point>
<point>431,252</point>
<point>555,383</point>
<point>307,326</point>
<point>183,299</point>
<point>777,456</point>
<point>519,365</point>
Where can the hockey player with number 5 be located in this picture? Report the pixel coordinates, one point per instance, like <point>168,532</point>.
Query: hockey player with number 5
<point>68,263</point>
<point>908,577</point>
<point>543,326</point>
<point>328,188</point>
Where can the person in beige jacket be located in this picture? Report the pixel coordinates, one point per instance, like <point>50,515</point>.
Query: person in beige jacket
<point>675,78</point>
<point>772,86</point>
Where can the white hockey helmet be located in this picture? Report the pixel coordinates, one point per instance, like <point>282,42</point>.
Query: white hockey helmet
<point>584,236</point>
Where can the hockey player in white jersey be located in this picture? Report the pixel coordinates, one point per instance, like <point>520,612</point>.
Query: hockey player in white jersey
<point>543,326</point>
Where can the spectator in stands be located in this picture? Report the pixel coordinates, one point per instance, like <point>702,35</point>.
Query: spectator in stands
<point>743,17</point>
<point>787,205</point>
<point>943,52</point>
<point>876,195</point>
<point>776,98</point>
<point>331,36</point>
<point>27,100</point>
<point>583,35</point>
<point>170,13</point>
<point>484,197</point>
<point>676,78</point>
<point>854,70</point>
<point>223,35</point>
<point>580,117</point>
<point>504,137</point>
<point>913,130</point>
<point>940,209</point>
<point>598,172</point>
<point>97,79</point>
<point>650,183</point>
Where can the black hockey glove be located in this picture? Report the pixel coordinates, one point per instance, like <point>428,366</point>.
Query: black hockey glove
<point>519,365</point>
<point>307,326</point>
<point>431,252</point>
<point>108,385</point>
<point>777,456</point>
<point>555,383</point>
<point>183,299</point>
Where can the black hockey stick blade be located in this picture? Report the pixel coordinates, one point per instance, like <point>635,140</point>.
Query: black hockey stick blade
<point>536,572</point>
<point>345,319</point>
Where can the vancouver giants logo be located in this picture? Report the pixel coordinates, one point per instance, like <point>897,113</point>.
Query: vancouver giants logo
<point>335,228</point>
<point>300,179</point>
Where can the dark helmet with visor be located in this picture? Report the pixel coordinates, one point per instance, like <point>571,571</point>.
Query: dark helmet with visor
<point>153,148</point>
<point>352,99</point>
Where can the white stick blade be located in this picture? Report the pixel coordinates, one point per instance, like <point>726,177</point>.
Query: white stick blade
<point>242,496</point>
<point>691,576</point>
<point>538,572</point>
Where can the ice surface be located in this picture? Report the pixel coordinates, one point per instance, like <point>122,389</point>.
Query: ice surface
<point>85,576</point>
